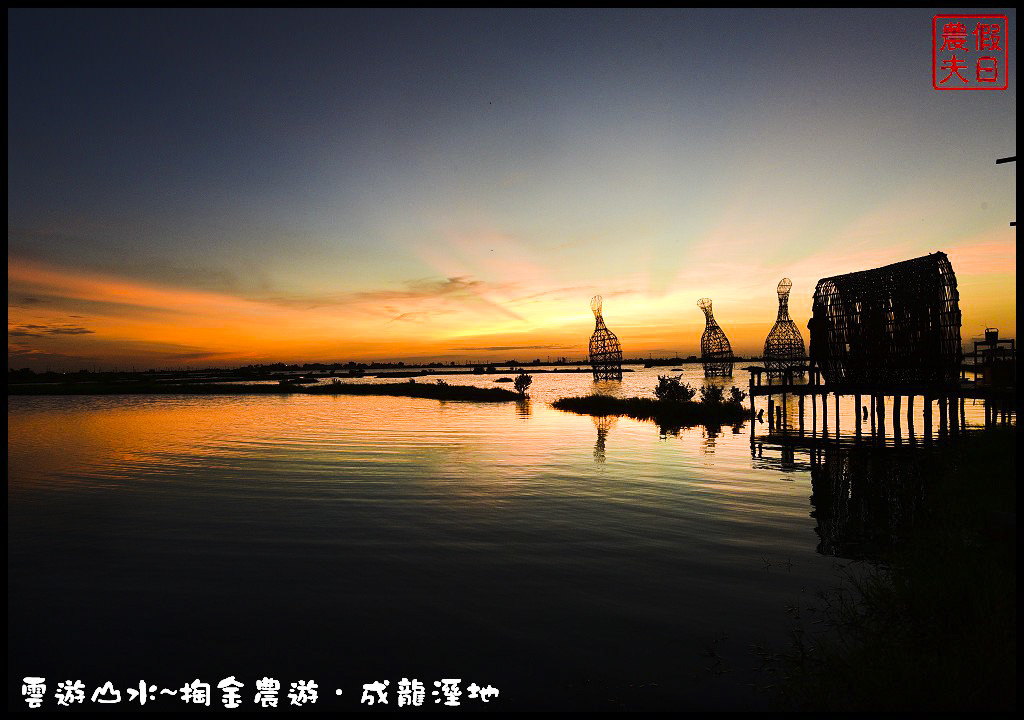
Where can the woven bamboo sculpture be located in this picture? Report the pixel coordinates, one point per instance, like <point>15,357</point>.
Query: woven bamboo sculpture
<point>715,350</point>
<point>605,351</point>
<point>897,325</point>
<point>784,346</point>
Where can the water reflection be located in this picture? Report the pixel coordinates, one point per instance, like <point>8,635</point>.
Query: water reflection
<point>500,542</point>
<point>523,409</point>
<point>603,425</point>
<point>864,498</point>
<point>707,445</point>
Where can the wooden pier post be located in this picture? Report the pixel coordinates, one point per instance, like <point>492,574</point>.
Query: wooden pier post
<point>910,415</point>
<point>856,405</point>
<point>963,415</point>
<point>800,412</point>
<point>814,415</point>
<point>872,403</point>
<point>942,414</point>
<point>837,416</point>
<point>927,418</point>
<point>881,416</point>
<point>824,414</point>
<point>896,403</point>
<point>771,414</point>
<point>751,402</point>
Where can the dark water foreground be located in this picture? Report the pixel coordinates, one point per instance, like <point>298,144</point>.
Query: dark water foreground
<point>571,563</point>
<point>931,623</point>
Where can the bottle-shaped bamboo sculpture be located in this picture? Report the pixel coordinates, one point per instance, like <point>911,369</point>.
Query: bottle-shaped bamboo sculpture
<point>605,351</point>
<point>784,346</point>
<point>715,350</point>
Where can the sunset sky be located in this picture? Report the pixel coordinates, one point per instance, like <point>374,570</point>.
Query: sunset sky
<point>216,188</point>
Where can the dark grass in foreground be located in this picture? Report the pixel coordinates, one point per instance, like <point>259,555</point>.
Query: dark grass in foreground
<point>934,625</point>
<point>666,413</point>
<point>435,391</point>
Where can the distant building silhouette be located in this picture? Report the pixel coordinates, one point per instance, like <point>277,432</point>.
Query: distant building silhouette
<point>894,325</point>
<point>715,350</point>
<point>784,345</point>
<point>605,351</point>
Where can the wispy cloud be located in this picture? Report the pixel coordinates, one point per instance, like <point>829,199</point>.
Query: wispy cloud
<point>32,330</point>
<point>441,293</point>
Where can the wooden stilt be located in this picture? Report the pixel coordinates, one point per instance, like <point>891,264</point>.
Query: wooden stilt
<point>752,402</point>
<point>814,415</point>
<point>881,416</point>
<point>896,404</point>
<point>800,412</point>
<point>824,414</point>
<point>856,408</point>
<point>927,418</point>
<point>837,415</point>
<point>910,415</point>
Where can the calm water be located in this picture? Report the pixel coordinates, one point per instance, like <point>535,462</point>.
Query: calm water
<point>568,561</point>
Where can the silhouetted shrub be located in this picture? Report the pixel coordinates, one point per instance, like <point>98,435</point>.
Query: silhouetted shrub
<point>736,395</point>
<point>523,382</point>
<point>712,394</point>
<point>673,389</point>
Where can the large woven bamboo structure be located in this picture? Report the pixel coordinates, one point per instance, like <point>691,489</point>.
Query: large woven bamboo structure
<point>784,346</point>
<point>605,351</point>
<point>897,325</point>
<point>715,351</point>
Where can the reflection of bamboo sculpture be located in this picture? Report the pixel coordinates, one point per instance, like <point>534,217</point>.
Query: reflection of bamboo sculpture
<point>784,345</point>
<point>715,350</point>
<point>605,351</point>
<point>603,424</point>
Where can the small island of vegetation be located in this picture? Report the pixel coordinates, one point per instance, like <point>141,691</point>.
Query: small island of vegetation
<point>672,408</point>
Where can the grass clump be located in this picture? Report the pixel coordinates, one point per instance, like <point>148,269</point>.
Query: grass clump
<point>672,408</point>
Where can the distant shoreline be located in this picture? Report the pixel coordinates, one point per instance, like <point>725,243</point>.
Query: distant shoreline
<point>434,391</point>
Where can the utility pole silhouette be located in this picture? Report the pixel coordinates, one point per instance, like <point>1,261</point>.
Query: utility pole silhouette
<point>1000,161</point>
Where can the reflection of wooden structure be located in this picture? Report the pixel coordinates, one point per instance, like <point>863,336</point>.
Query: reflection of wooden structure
<point>898,324</point>
<point>864,501</point>
<point>784,346</point>
<point>715,350</point>
<point>605,351</point>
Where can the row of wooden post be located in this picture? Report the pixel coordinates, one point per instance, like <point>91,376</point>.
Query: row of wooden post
<point>951,414</point>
